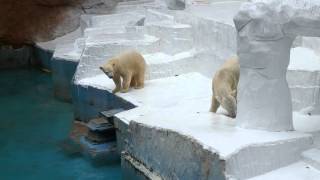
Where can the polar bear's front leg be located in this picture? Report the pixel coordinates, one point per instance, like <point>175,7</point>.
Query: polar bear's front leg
<point>140,80</point>
<point>117,81</point>
<point>126,83</point>
<point>214,104</point>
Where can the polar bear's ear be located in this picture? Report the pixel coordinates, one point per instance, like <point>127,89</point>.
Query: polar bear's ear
<point>113,62</point>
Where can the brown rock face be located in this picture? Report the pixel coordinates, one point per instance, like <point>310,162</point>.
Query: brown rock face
<point>27,21</point>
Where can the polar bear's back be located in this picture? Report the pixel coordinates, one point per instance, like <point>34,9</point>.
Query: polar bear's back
<point>131,60</point>
<point>232,65</point>
<point>227,77</point>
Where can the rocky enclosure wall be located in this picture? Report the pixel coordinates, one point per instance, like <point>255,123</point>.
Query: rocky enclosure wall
<point>28,21</point>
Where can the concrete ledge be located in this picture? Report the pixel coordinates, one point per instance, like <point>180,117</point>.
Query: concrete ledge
<point>158,126</point>
<point>134,170</point>
<point>245,153</point>
<point>173,155</point>
<point>129,18</point>
<point>89,102</point>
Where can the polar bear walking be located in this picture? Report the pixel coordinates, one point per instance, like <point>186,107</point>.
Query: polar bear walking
<point>224,87</point>
<point>130,67</point>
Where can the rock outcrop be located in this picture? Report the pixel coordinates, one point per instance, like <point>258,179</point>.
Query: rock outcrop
<point>266,31</point>
<point>28,21</point>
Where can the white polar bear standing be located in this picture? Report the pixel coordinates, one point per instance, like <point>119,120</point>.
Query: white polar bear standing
<point>224,87</point>
<point>129,66</point>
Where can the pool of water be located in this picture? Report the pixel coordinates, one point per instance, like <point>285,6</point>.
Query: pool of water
<point>33,125</point>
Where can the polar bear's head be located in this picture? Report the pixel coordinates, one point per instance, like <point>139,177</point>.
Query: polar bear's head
<point>229,103</point>
<point>108,68</point>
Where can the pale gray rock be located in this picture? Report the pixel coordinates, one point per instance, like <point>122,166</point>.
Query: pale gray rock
<point>176,4</point>
<point>98,6</point>
<point>266,31</point>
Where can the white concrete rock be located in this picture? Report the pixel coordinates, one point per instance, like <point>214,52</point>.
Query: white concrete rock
<point>98,6</point>
<point>266,30</point>
<point>304,77</point>
<point>176,4</point>
<point>112,20</point>
<point>171,129</point>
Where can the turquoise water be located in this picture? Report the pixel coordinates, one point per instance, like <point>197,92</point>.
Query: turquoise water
<point>33,125</point>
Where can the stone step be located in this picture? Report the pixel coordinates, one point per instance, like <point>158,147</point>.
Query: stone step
<point>97,137</point>
<point>103,30</point>
<point>129,18</point>
<point>174,37</point>
<point>129,33</point>
<point>134,2</point>
<point>106,152</point>
<point>161,65</point>
<point>303,78</point>
<point>136,5</point>
<point>303,97</point>
<point>202,2</point>
<point>109,115</point>
<point>312,157</point>
<point>157,15</point>
<point>100,131</point>
<point>99,49</point>
<point>99,124</point>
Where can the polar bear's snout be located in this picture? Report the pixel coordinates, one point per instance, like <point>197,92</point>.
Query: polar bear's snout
<point>108,73</point>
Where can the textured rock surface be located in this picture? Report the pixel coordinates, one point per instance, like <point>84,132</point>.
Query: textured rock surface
<point>28,21</point>
<point>176,4</point>
<point>172,134</point>
<point>266,30</point>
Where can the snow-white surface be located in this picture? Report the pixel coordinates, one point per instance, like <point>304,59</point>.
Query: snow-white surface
<point>170,102</point>
<point>168,90</point>
<point>145,40</point>
<point>306,59</point>
<point>181,104</point>
<point>100,81</point>
<point>306,123</point>
<point>219,11</point>
<point>160,58</point>
<point>296,171</point>
<point>215,131</point>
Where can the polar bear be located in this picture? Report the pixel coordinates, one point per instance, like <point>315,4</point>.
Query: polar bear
<point>224,87</point>
<point>130,67</point>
